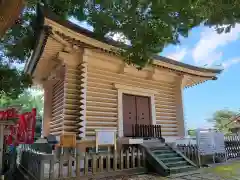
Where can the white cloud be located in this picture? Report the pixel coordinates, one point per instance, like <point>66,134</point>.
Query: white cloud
<point>83,24</point>
<point>231,62</point>
<point>115,36</point>
<point>120,38</point>
<point>178,55</point>
<point>205,51</point>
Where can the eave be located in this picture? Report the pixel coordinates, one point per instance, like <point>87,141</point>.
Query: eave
<point>70,35</point>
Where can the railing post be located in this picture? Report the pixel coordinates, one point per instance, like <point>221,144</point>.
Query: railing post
<point>138,130</point>
<point>160,130</point>
<point>51,169</point>
<point>41,170</point>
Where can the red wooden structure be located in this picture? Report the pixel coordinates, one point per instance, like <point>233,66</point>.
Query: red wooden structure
<point>23,131</point>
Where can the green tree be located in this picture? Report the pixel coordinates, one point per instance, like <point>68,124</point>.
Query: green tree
<point>148,25</point>
<point>221,120</point>
<point>192,132</point>
<point>26,101</point>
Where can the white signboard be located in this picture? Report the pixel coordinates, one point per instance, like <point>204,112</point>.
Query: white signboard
<point>105,137</point>
<point>205,142</point>
<point>210,142</point>
<point>219,142</point>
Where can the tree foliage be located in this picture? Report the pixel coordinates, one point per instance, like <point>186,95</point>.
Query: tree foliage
<point>25,102</point>
<point>148,25</point>
<point>221,120</point>
<point>192,132</point>
<point>13,81</point>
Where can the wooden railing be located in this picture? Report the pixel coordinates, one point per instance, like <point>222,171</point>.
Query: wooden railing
<point>83,165</point>
<point>146,131</point>
<point>191,152</point>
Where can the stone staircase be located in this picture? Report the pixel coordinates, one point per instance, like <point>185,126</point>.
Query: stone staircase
<point>172,160</point>
<point>166,160</point>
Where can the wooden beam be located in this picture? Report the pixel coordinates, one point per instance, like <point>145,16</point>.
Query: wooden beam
<point>72,59</point>
<point>60,39</point>
<point>55,74</point>
<point>122,68</point>
<point>151,73</point>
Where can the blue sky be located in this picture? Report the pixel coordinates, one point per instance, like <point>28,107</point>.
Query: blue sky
<point>205,48</point>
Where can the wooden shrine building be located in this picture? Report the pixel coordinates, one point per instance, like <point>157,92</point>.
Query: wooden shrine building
<point>88,87</point>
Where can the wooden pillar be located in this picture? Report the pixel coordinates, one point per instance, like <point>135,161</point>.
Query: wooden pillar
<point>179,107</point>
<point>47,116</point>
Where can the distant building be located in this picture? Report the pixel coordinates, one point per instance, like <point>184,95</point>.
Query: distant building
<point>234,124</point>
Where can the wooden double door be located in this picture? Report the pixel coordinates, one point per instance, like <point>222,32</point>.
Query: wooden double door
<point>136,110</point>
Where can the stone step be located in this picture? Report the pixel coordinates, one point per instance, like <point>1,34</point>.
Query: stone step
<point>166,155</point>
<point>153,141</point>
<point>171,159</point>
<point>160,151</point>
<point>153,148</point>
<point>181,169</point>
<point>176,164</point>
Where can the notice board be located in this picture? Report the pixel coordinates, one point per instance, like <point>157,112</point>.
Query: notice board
<point>210,142</point>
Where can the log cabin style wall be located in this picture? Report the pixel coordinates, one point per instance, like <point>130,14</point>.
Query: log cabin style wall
<point>56,123</point>
<point>68,96</point>
<point>86,99</point>
<point>102,97</point>
<point>72,104</point>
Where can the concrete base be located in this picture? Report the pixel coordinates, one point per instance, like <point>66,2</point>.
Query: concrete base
<point>126,140</point>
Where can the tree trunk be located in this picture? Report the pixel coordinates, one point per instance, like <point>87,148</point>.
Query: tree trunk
<point>9,13</point>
